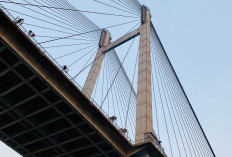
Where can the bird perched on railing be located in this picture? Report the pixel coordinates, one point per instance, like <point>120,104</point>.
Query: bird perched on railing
<point>19,21</point>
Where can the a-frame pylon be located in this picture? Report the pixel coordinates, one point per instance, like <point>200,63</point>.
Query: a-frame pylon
<point>144,122</point>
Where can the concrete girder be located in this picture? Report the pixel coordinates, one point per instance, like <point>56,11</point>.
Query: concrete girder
<point>16,86</point>
<point>23,101</point>
<point>71,140</point>
<point>26,117</point>
<point>8,70</point>
<point>2,48</point>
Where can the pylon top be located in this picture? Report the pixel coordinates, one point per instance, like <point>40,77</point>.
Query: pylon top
<point>105,38</point>
<point>145,14</point>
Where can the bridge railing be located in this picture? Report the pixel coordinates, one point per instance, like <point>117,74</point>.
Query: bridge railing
<point>100,108</point>
<point>156,142</point>
<point>60,67</point>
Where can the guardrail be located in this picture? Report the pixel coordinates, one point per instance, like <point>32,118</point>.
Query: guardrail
<point>156,142</point>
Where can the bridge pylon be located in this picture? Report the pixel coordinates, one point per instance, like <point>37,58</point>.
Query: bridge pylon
<point>96,67</point>
<point>144,123</point>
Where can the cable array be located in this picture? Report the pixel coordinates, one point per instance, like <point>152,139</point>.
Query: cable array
<point>183,132</point>
<point>72,40</point>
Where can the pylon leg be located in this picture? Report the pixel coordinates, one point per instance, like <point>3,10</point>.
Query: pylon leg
<point>96,67</point>
<point>144,122</point>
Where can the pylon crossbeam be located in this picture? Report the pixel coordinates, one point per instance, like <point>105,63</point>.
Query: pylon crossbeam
<point>122,40</point>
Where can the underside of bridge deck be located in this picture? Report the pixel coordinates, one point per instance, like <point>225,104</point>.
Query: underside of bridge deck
<point>43,114</point>
<point>35,120</point>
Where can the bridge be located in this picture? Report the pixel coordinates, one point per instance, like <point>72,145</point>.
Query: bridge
<point>44,111</point>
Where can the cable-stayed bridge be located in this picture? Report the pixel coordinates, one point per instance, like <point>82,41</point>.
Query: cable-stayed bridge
<point>72,88</point>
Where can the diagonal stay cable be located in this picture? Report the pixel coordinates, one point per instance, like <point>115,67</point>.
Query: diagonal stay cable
<point>162,105</point>
<point>53,37</point>
<point>87,62</point>
<point>86,23</point>
<point>76,18</point>
<point>185,95</point>
<point>131,89</point>
<point>167,73</point>
<point>71,45</point>
<point>117,72</point>
<point>61,26</point>
<point>172,102</point>
<point>128,5</point>
<point>87,66</point>
<point>113,7</point>
<point>74,52</point>
<point>108,78</point>
<point>60,38</point>
<point>51,29</point>
<point>120,84</point>
<point>59,14</point>
<point>103,81</point>
<point>183,127</point>
<point>156,111</point>
<point>166,96</point>
<point>191,131</point>
<point>83,11</point>
<point>124,6</point>
<point>82,57</point>
<point>107,85</point>
<point>59,20</point>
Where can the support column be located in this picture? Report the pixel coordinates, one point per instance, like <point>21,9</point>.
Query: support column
<point>96,67</point>
<point>144,123</point>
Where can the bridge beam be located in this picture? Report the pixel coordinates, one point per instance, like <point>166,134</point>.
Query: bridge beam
<point>143,154</point>
<point>144,122</point>
<point>122,40</point>
<point>96,67</point>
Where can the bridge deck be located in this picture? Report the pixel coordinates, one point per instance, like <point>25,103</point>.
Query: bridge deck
<point>42,113</point>
<point>34,119</point>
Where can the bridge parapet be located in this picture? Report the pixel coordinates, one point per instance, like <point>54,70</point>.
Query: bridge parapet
<point>150,136</point>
